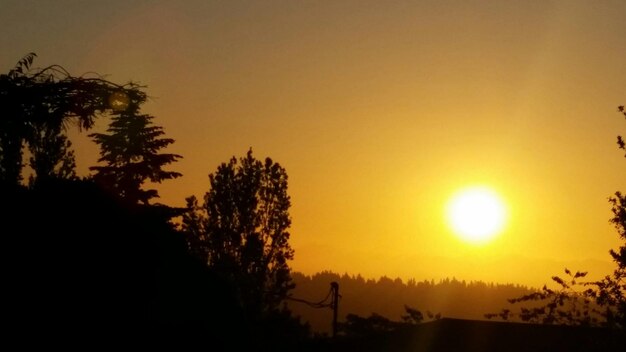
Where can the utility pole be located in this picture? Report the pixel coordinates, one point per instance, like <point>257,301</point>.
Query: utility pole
<point>334,287</point>
<point>334,303</point>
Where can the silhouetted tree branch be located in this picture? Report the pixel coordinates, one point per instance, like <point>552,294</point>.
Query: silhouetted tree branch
<point>35,107</point>
<point>376,324</point>
<point>620,140</point>
<point>610,292</point>
<point>566,306</point>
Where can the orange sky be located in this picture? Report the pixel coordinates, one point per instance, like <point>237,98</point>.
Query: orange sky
<point>379,110</point>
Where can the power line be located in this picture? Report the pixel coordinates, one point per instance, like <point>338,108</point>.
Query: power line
<point>334,296</point>
<point>320,304</point>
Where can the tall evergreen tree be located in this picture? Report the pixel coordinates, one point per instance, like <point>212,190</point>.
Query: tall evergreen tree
<point>130,152</point>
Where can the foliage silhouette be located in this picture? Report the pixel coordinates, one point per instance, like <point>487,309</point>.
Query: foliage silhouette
<point>413,316</point>
<point>79,267</point>
<point>620,139</point>
<point>610,292</point>
<point>361,296</point>
<point>571,307</point>
<point>51,155</point>
<point>130,151</point>
<point>241,232</point>
<point>564,306</point>
<point>35,107</point>
<point>82,264</point>
<point>376,324</point>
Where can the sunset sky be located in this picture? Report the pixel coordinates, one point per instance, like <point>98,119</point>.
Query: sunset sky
<point>380,111</point>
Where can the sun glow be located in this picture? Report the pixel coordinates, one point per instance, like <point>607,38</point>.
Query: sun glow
<point>476,214</point>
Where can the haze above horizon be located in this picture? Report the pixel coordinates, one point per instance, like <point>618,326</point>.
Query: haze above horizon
<point>379,111</point>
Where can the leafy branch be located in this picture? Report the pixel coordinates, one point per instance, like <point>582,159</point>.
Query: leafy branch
<point>564,306</point>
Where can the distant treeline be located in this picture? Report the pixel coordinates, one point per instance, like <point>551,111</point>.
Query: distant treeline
<point>450,298</point>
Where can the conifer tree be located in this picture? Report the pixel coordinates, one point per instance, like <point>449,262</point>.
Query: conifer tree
<point>130,152</point>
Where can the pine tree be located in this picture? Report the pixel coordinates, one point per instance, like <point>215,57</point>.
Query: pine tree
<point>130,151</point>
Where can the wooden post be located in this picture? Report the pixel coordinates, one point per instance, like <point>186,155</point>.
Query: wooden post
<point>334,286</point>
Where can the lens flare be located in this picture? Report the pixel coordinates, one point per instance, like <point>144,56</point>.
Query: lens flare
<point>118,101</point>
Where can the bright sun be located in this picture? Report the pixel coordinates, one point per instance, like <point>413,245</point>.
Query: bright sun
<point>476,214</point>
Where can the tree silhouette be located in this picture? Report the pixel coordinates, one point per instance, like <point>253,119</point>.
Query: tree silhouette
<point>570,304</point>
<point>412,316</point>
<point>241,230</point>
<point>80,266</point>
<point>51,155</point>
<point>35,107</point>
<point>374,324</point>
<point>130,151</point>
<point>620,140</point>
<point>108,272</point>
<point>572,307</point>
<point>447,297</point>
<point>611,290</point>
<point>356,325</point>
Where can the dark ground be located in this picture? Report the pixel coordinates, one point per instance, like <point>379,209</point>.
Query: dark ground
<point>473,336</point>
